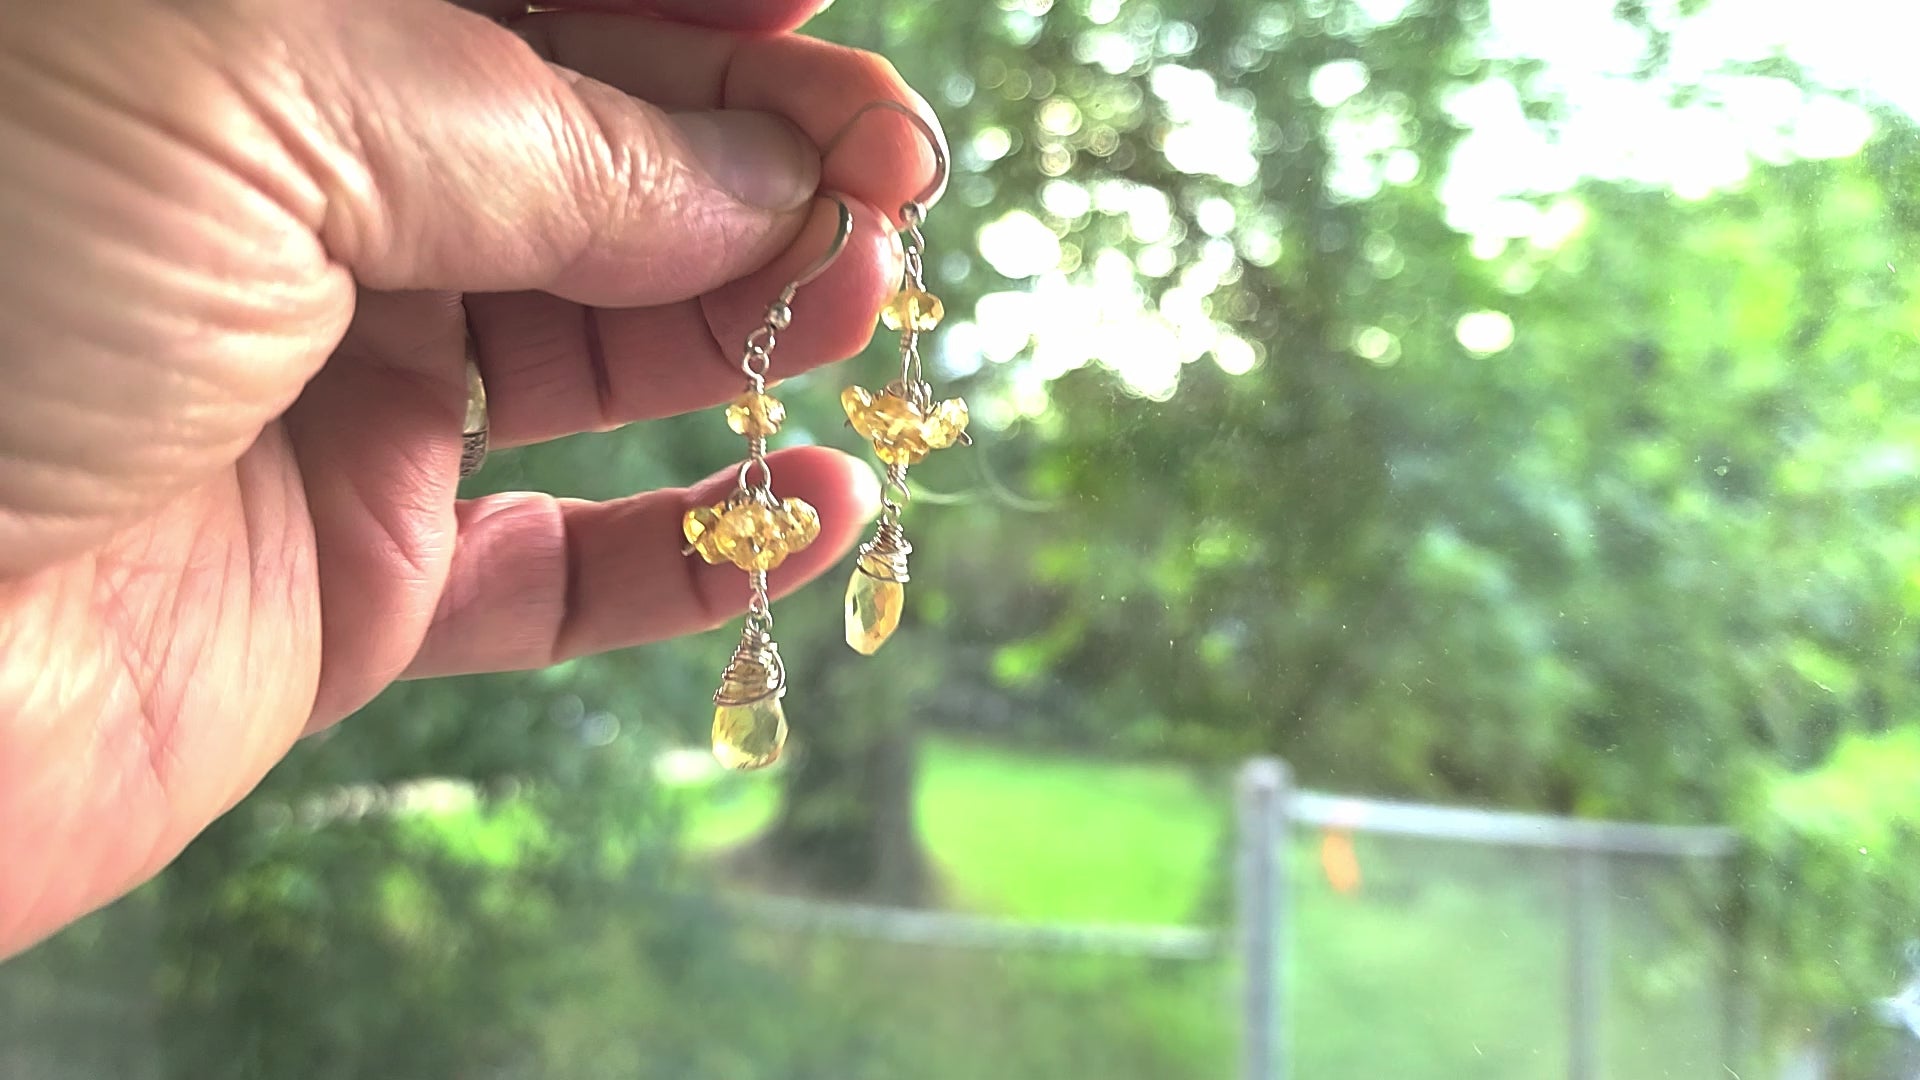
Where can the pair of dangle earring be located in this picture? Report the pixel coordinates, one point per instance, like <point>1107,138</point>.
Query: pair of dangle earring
<point>902,421</point>
<point>755,530</point>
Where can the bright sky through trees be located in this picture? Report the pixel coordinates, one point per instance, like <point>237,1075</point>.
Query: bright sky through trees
<point>1694,124</point>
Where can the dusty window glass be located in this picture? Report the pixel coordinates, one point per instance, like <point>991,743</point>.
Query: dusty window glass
<point>1432,595</point>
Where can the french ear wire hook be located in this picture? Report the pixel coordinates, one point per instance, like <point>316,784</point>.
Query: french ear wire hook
<point>934,189</point>
<point>842,231</point>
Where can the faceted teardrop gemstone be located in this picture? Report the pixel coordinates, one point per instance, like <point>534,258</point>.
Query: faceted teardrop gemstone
<point>749,736</point>
<point>874,607</point>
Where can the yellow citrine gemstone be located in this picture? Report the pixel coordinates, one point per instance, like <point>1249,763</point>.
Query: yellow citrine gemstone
<point>860,404</point>
<point>702,529</point>
<point>947,423</point>
<point>750,537</point>
<point>874,606</point>
<point>900,432</point>
<point>892,425</point>
<point>801,524</point>
<point>905,452</point>
<point>895,417</point>
<point>856,400</point>
<point>749,736</point>
<point>877,417</point>
<point>913,307</point>
<point>756,414</point>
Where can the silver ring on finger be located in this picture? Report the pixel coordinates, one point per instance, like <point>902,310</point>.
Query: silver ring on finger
<point>473,433</point>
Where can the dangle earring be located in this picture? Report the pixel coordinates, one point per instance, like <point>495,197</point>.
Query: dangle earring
<point>902,421</point>
<point>756,531</point>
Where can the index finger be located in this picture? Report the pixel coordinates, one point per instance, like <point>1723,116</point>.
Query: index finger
<point>818,86</point>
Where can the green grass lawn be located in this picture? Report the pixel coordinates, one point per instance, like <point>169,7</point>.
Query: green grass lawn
<point>1039,837</point>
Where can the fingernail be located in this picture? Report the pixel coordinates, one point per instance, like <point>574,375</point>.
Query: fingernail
<point>758,159</point>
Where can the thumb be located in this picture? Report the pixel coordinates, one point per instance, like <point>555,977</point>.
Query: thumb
<point>454,157</point>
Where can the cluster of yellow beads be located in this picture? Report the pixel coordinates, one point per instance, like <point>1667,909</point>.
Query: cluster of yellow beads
<point>915,308</point>
<point>751,535</point>
<point>900,431</point>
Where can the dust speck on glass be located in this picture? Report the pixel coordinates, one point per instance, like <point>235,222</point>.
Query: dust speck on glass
<point>1434,593</point>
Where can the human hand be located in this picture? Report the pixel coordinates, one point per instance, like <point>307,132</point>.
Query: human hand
<point>234,240</point>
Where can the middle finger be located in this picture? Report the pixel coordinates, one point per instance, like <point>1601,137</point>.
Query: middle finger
<point>554,368</point>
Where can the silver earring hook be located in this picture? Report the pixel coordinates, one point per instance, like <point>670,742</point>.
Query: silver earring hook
<point>918,207</point>
<point>842,232</point>
<point>757,354</point>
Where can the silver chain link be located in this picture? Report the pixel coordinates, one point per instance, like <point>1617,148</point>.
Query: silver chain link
<point>913,384</point>
<point>754,482</point>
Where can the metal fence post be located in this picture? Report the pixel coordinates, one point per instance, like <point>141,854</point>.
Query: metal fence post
<point>1586,961</point>
<point>1735,1004</point>
<point>1261,799</point>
